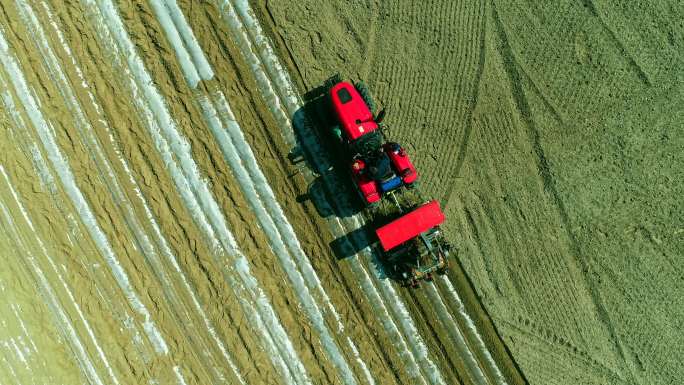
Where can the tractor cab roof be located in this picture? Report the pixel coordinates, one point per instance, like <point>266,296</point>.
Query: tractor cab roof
<point>355,117</point>
<point>410,225</point>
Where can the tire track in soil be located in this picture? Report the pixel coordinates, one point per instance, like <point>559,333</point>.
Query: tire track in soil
<point>32,269</point>
<point>418,111</point>
<point>528,215</point>
<point>141,351</point>
<point>470,109</point>
<point>204,101</point>
<point>179,306</point>
<point>77,125</point>
<point>203,207</point>
<point>483,224</point>
<point>581,369</point>
<point>522,105</point>
<point>254,185</point>
<point>636,68</point>
<point>294,108</point>
<point>346,284</point>
<point>463,147</point>
<point>369,55</point>
<point>553,341</point>
<point>104,295</point>
<point>255,360</point>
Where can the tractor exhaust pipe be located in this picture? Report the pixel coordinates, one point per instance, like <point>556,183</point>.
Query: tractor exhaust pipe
<point>380,117</point>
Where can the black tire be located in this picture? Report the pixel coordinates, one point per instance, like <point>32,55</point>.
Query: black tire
<point>331,81</point>
<point>337,78</point>
<point>366,96</point>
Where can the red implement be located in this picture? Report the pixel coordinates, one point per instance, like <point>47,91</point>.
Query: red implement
<point>410,225</point>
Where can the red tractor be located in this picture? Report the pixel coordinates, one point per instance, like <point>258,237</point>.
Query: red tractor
<point>409,235</point>
<point>376,167</point>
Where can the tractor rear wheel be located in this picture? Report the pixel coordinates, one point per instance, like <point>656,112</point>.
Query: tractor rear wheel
<point>366,95</point>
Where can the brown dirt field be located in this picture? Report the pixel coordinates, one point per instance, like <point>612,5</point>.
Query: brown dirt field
<point>549,131</point>
<point>139,244</point>
<point>106,215</point>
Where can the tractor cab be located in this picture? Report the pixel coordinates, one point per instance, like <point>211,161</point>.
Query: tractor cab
<point>353,114</point>
<point>413,245</point>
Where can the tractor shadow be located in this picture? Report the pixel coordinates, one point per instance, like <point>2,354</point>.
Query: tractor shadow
<point>332,190</point>
<point>351,243</point>
<point>357,242</point>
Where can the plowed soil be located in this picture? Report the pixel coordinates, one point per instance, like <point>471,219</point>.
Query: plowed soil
<point>552,133</point>
<point>141,244</point>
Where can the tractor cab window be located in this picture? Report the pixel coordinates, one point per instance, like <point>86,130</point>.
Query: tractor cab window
<point>344,95</point>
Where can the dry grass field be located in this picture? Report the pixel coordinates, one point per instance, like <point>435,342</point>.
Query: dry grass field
<point>553,134</point>
<point>154,230</point>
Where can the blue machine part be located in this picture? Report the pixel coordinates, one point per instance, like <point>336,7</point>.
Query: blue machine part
<point>390,184</point>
